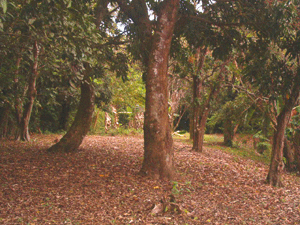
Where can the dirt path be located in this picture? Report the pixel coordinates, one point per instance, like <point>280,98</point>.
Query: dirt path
<point>100,184</point>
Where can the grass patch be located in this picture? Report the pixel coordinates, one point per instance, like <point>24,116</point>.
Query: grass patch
<point>216,141</point>
<point>248,153</point>
<point>122,131</point>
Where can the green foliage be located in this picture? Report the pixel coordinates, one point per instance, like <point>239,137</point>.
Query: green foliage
<point>237,110</point>
<point>271,64</point>
<point>69,43</point>
<point>3,4</point>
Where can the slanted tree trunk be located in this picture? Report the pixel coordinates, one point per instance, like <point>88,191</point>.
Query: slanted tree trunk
<point>182,112</point>
<point>30,97</point>
<point>158,154</point>
<point>277,165</point>
<point>83,119</point>
<point>204,115</point>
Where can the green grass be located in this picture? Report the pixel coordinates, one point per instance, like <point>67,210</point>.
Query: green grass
<point>248,153</point>
<point>240,148</point>
<point>119,131</point>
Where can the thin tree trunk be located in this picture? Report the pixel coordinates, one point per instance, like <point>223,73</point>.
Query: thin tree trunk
<point>18,100</point>
<point>197,86</point>
<point>277,165</point>
<point>179,119</point>
<point>30,97</point>
<point>197,89</point>
<point>204,115</point>
<point>158,154</point>
<point>83,119</point>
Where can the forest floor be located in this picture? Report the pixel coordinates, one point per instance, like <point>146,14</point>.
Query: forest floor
<point>100,184</point>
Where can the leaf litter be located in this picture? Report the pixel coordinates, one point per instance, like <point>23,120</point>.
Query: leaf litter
<point>100,184</point>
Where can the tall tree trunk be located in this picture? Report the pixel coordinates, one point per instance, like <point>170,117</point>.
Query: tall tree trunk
<point>158,154</point>
<point>197,86</point>
<point>18,101</point>
<point>30,97</point>
<point>197,89</point>
<point>277,165</point>
<point>83,119</point>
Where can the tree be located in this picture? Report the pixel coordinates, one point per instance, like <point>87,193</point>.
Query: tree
<point>154,39</point>
<point>275,70</point>
<point>87,63</point>
<point>81,125</point>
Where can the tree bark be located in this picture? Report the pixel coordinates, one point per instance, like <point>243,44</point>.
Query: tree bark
<point>197,89</point>
<point>197,86</point>
<point>30,97</point>
<point>83,119</point>
<point>18,101</point>
<point>158,154</point>
<point>288,153</point>
<point>154,41</point>
<point>277,165</point>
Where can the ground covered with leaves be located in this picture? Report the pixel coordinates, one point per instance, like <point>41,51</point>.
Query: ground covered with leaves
<point>100,184</point>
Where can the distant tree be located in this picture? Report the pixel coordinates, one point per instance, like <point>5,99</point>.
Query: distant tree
<point>274,70</point>
<point>89,57</point>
